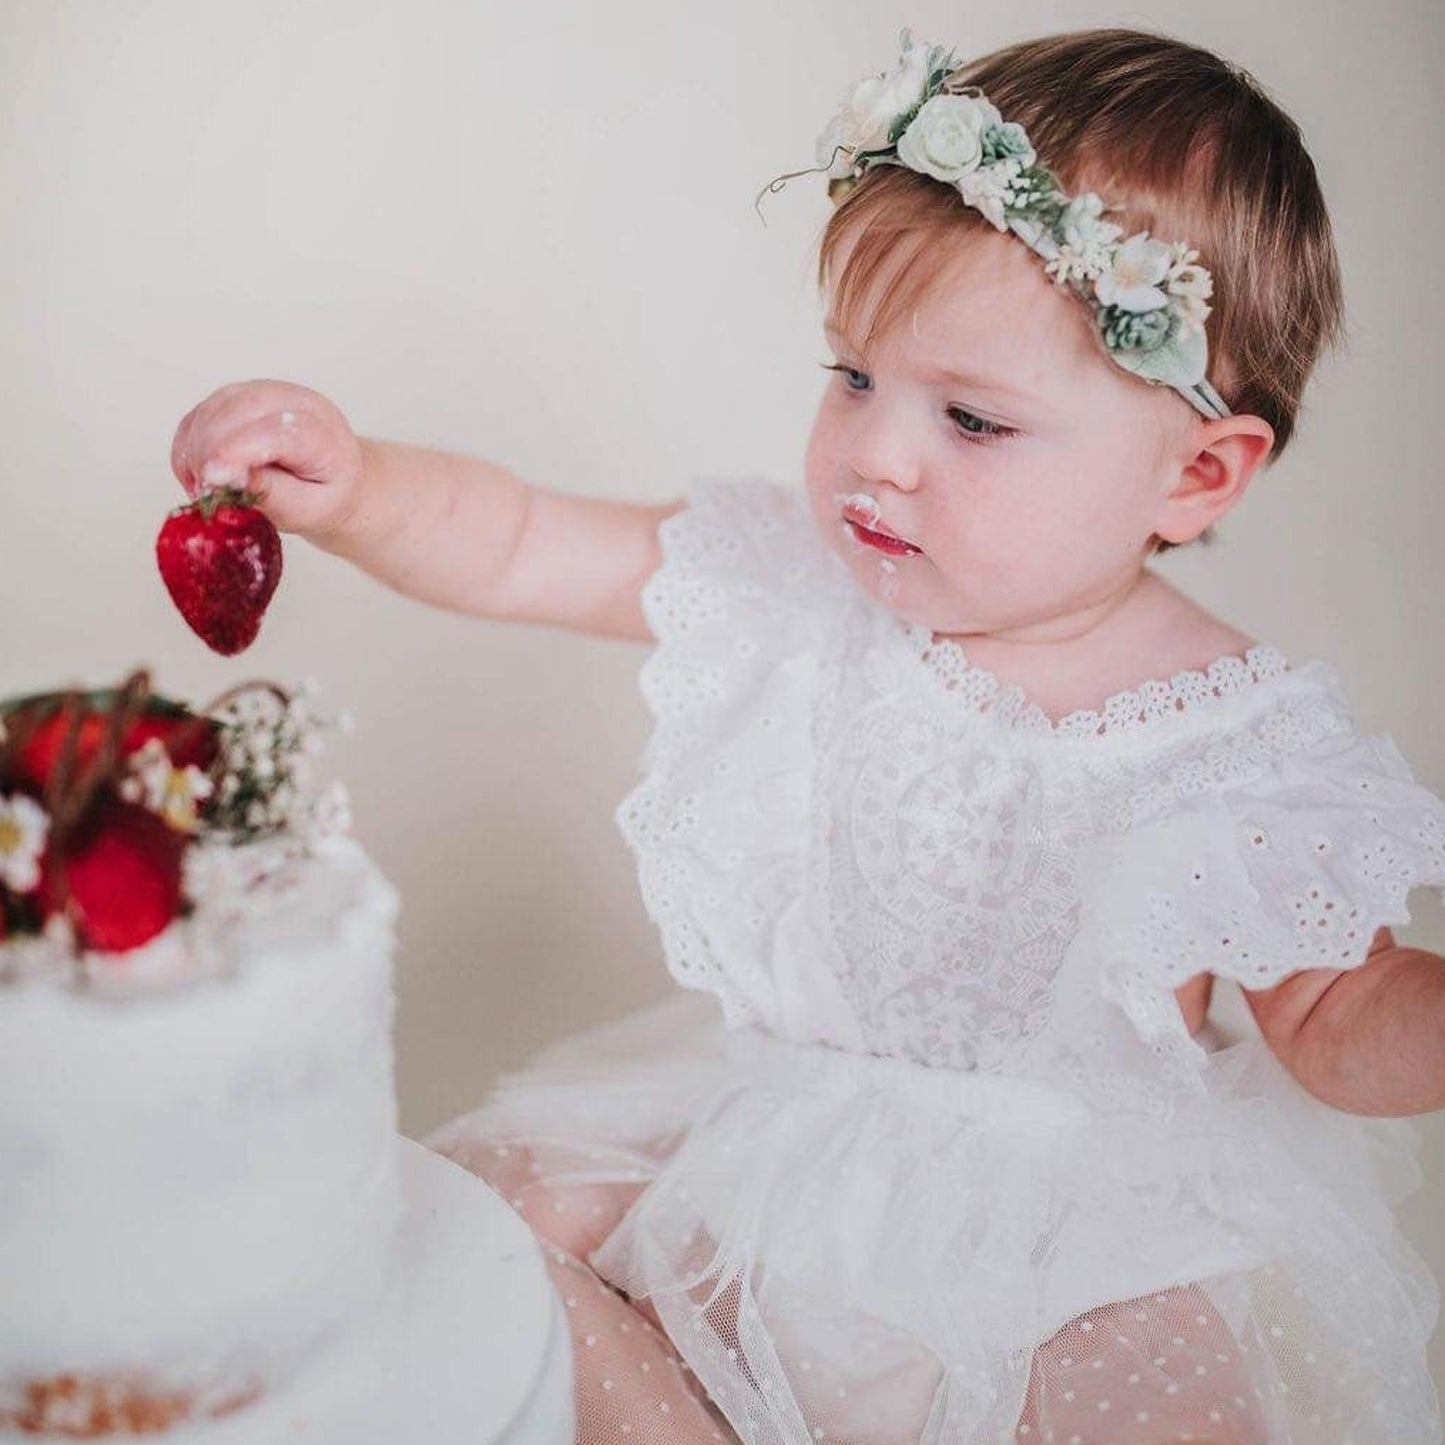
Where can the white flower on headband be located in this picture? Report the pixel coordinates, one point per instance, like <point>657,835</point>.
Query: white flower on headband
<point>990,188</point>
<point>1086,240</point>
<point>1191,286</point>
<point>872,106</point>
<point>945,139</point>
<point>1132,283</point>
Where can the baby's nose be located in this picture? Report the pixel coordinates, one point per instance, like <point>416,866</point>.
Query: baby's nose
<point>881,454</point>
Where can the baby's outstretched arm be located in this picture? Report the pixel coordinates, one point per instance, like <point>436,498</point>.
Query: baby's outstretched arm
<point>1368,1040</point>
<point>450,530</point>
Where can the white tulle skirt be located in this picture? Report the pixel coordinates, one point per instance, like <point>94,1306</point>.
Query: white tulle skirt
<point>851,1248</point>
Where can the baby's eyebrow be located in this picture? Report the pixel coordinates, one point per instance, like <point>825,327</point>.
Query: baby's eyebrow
<point>975,381</point>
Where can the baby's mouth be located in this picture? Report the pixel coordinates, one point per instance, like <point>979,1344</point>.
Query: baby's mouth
<point>860,513</point>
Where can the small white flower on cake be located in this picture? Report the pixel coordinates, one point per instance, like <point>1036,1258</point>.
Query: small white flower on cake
<point>331,813</point>
<point>166,789</point>
<point>24,827</point>
<point>1133,282</point>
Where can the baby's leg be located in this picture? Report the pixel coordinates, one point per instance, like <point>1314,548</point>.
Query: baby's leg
<point>1148,1371</point>
<point>877,1392</point>
<point>575,1217</point>
<point>629,1385</point>
<point>578,1217</point>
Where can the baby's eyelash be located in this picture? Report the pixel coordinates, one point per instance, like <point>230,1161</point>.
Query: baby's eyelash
<point>985,433</point>
<point>991,430</point>
<point>846,371</point>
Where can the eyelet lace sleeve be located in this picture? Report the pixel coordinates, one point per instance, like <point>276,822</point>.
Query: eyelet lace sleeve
<point>1296,866</point>
<point>718,818</point>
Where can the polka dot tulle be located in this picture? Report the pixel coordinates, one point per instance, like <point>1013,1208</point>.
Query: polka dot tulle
<point>723,1277</point>
<point>922,1151</point>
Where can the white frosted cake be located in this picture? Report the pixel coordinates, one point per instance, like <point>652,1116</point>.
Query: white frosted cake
<point>197,1112</point>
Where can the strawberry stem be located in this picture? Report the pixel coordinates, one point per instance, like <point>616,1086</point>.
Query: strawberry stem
<point>211,499</point>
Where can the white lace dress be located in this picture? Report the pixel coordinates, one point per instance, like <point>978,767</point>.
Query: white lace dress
<point>925,1153</point>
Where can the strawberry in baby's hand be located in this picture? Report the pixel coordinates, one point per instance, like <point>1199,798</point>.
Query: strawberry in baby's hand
<point>220,558</point>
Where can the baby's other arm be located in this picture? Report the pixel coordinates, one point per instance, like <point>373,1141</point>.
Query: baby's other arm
<point>449,530</point>
<point>1367,1040</point>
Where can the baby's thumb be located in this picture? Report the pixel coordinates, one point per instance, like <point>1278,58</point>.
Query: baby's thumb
<point>294,504</point>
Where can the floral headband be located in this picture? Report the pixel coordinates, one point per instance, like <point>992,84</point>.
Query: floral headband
<point>1148,298</point>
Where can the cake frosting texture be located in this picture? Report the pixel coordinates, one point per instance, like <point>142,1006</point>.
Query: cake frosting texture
<point>198,1144</point>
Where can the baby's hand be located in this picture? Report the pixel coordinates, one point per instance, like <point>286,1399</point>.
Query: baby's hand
<point>284,442</point>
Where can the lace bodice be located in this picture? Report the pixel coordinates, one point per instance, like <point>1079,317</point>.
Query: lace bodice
<point>852,835</point>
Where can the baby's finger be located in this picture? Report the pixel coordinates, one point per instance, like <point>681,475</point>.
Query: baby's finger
<point>181,453</point>
<point>292,503</point>
<point>211,425</point>
<point>296,441</point>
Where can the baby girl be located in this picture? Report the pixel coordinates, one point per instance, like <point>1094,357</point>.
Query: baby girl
<point>954,810</point>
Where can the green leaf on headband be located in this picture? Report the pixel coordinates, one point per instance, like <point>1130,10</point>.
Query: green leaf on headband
<point>1035,192</point>
<point>902,122</point>
<point>1180,361</point>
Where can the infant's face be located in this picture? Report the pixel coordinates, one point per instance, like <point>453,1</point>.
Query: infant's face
<point>1021,531</point>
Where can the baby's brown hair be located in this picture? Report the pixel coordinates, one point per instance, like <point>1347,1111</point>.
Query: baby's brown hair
<point>1177,141</point>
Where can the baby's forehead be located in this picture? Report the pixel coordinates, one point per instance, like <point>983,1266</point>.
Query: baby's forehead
<point>979,299</point>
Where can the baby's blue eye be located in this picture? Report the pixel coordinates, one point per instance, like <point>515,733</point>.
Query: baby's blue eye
<point>849,375</point>
<point>976,428</point>
<point>983,428</point>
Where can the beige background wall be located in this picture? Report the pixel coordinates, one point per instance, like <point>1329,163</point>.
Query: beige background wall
<point>527,231</point>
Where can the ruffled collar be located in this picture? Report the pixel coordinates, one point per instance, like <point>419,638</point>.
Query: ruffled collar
<point>1153,701</point>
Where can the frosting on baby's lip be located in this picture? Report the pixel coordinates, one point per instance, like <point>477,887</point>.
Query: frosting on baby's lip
<point>863,510</point>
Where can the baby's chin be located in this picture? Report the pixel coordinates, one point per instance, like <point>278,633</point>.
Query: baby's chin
<point>893,581</point>
<point>907,587</point>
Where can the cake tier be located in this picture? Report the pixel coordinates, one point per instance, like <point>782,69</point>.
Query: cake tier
<point>197,1138</point>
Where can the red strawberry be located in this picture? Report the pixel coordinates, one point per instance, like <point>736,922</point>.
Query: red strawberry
<point>121,871</point>
<point>188,739</point>
<point>220,559</point>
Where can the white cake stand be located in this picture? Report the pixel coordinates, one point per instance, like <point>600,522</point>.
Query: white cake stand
<point>469,1347</point>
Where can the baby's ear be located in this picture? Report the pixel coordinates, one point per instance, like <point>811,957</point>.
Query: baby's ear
<point>1216,461</point>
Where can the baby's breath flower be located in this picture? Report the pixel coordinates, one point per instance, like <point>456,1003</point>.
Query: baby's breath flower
<point>267,744</point>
